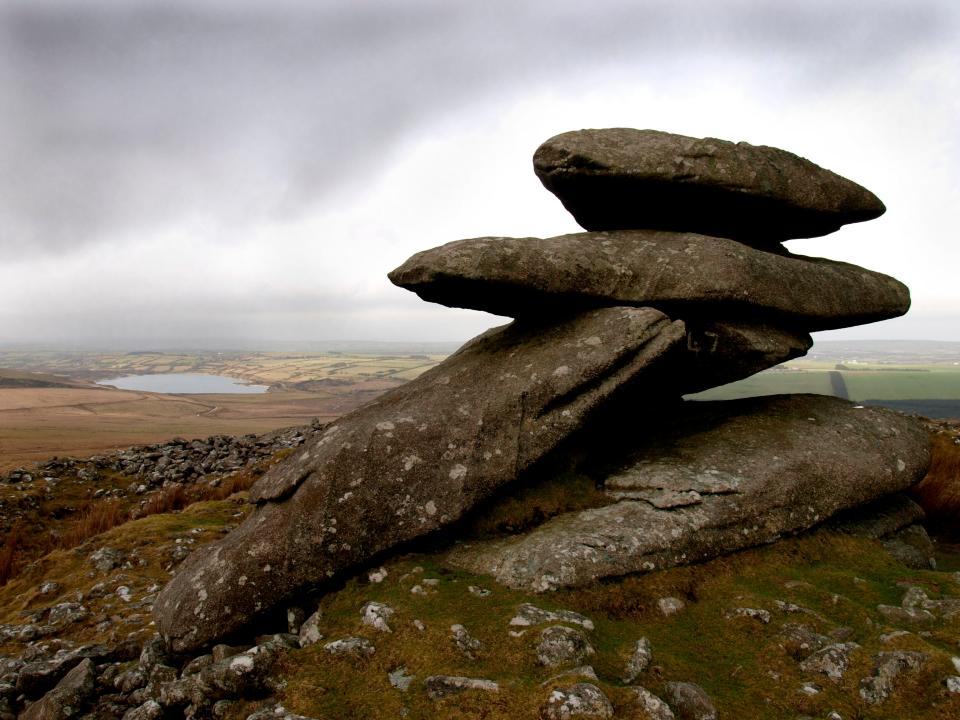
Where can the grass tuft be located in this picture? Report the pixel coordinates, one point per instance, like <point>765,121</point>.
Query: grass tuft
<point>97,517</point>
<point>167,500</point>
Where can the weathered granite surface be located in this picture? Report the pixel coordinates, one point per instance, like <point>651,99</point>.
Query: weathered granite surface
<point>413,460</point>
<point>719,477</point>
<point>621,178</point>
<point>687,276</point>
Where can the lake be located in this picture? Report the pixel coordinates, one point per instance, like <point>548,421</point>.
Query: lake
<point>183,383</point>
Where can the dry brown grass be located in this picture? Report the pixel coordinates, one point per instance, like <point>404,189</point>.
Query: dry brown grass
<point>939,491</point>
<point>97,517</point>
<point>8,554</point>
<point>167,500</point>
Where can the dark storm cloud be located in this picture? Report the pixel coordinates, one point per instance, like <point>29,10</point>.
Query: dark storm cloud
<point>132,116</point>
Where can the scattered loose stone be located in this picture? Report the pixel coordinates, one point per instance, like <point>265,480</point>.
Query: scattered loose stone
<point>762,616</point>
<point>528,615</point>
<point>953,683</point>
<point>913,547</point>
<point>66,613</point>
<point>376,615</point>
<point>466,643</point>
<point>106,559</point>
<point>580,700</point>
<point>239,676</point>
<point>560,645</point>
<point>378,575</point>
<point>670,605</point>
<point>196,665</point>
<point>789,607</point>
<point>889,665</point>
<point>441,686</point>
<point>150,710</point>
<point>809,688</point>
<point>906,615</point>
<point>310,630</point>
<point>655,708</point>
<point>690,701</point>
<point>832,660</point>
<point>800,641</point>
<point>49,588</point>
<point>400,679</point>
<point>68,698</point>
<point>359,647</point>
<point>639,660</point>
<point>626,178</point>
<point>478,591</point>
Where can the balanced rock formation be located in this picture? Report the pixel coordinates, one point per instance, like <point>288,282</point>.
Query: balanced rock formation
<point>621,178</point>
<point>683,274</point>
<point>612,327</point>
<point>719,477</point>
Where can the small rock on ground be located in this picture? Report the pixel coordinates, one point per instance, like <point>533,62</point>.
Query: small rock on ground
<point>639,660</point>
<point>690,701</point>
<point>560,645</point>
<point>580,700</point>
<point>654,707</point>
<point>441,686</point>
<point>832,660</point>
<point>670,605</point>
<point>528,615</point>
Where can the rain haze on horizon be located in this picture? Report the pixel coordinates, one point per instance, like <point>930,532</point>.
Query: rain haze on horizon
<point>214,172</point>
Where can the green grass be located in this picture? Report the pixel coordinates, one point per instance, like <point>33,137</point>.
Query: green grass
<point>740,662</point>
<point>914,383</point>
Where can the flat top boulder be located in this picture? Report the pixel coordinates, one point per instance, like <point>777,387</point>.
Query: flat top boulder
<point>622,178</point>
<point>685,275</point>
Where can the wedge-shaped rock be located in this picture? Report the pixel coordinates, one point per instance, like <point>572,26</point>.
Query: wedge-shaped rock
<point>414,460</point>
<point>621,178</point>
<point>757,469</point>
<point>685,275</point>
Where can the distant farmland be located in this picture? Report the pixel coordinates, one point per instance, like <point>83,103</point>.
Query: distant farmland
<point>932,390</point>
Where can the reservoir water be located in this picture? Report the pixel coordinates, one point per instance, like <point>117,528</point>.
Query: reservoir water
<point>183,383</point>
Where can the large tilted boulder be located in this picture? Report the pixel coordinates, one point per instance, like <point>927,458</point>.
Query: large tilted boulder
<point>683,274</point>
<point>619,178</point>
<point>414,460</point>
<point>720,476</point>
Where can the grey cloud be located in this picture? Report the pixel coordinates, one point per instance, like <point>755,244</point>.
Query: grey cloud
<point>131,116</point>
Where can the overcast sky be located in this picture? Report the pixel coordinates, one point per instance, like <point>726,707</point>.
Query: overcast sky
<point>217,172</point>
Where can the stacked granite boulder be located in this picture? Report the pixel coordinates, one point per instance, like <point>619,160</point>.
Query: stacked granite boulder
<point>680,284</point>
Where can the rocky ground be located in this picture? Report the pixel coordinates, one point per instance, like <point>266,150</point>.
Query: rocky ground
<point>824,625</point>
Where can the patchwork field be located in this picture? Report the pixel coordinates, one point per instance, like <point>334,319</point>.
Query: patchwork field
<point>932,390</point>
<point>50,405</point>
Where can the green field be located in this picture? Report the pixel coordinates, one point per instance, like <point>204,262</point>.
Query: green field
<point>940,382</point>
